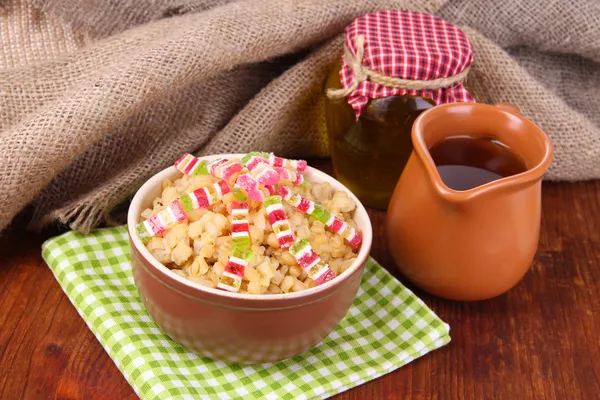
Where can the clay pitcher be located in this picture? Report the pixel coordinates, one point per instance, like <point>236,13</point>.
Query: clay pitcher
<point>471,244</point>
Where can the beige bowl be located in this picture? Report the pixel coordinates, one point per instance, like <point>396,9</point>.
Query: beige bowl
<point>235,327</point>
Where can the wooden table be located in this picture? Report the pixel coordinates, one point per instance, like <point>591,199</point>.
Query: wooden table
<point>541,340</point>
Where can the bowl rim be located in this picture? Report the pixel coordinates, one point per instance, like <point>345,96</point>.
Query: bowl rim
<point>135,209</point>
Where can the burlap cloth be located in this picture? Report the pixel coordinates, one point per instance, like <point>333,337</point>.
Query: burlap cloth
<point>95,96</point>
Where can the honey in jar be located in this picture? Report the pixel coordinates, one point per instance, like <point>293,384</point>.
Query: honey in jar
<point>396,65</point>
<point>369,155</point>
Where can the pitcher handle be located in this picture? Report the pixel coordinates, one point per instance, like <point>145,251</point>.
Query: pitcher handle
<point>508,107</point>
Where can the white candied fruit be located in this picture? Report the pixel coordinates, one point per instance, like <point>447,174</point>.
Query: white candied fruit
<point>199,248</point>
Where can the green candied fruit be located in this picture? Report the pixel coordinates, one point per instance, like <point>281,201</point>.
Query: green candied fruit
<point>186,202</point>
<point>298,246</point>
<point>243,254</point>
<point>248,156</point>
<point>242,242</point>
<point>141,231</point>
<point>239,194</point>
<point>269,201</point>
<point>321,214</point>
<point>201,169</point>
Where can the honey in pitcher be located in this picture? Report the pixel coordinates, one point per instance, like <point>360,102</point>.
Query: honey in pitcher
<point>465,162</point>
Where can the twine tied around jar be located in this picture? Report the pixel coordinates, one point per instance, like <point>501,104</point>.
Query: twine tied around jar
<point>361,73</point>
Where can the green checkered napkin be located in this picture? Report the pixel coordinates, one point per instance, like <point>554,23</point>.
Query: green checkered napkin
<point>386,328</point>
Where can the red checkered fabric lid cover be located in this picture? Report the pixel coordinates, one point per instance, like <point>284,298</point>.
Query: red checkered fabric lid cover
<point>410,46</point>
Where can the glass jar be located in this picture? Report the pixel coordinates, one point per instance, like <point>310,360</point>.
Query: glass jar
<point>369,155</point>
<point>395,65</point>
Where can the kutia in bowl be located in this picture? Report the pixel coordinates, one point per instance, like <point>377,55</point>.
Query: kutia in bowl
<point>247,258</point>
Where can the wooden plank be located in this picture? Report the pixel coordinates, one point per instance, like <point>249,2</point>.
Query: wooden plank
<point>541,340</point>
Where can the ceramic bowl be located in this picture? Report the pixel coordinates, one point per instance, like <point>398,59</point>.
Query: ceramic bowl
<point>241,328</point>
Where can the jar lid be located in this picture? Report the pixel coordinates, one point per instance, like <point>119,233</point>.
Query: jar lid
<point>395,52</point>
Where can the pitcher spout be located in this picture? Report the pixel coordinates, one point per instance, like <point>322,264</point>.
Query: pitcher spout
<point>504,151</point>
